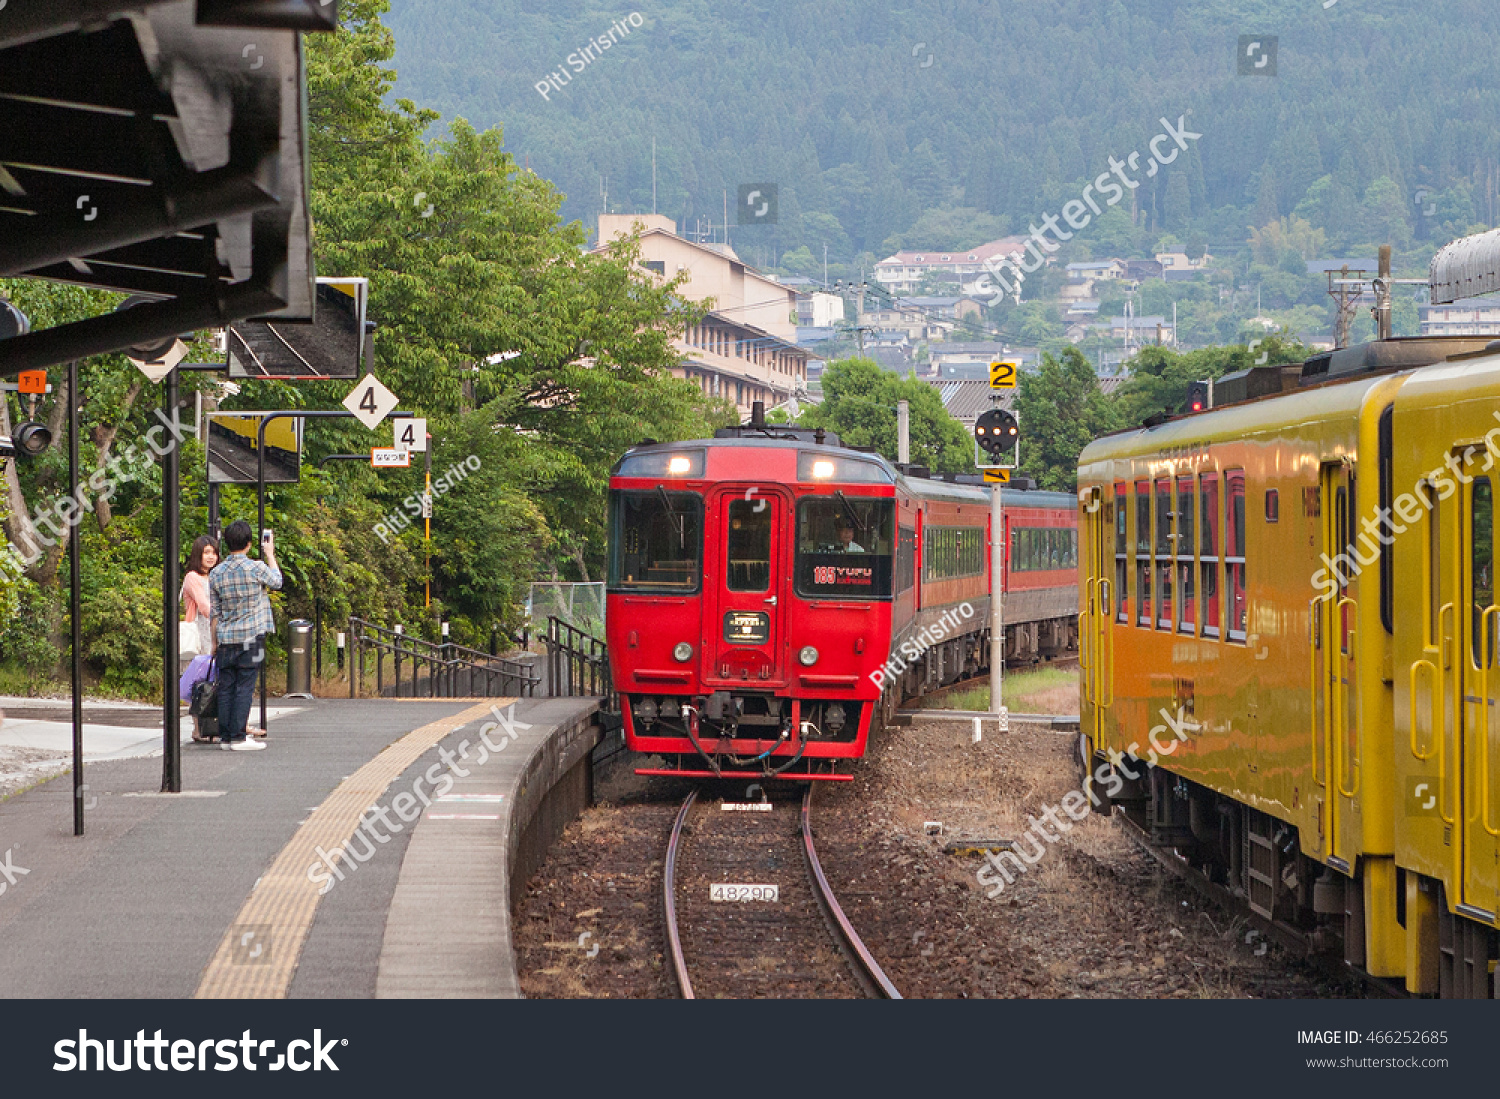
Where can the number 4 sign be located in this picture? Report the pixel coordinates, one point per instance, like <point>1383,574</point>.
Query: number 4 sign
<point>411,434</point>
<point>371,402</point>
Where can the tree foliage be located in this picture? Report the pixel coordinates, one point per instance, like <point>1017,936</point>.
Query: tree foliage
<point>1061,410</point>
<point>859,403</point>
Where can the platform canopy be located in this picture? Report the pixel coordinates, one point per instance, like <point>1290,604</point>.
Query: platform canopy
<point>156,148</point>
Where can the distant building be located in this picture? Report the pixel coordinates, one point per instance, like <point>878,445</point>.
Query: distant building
<point>1096,270</point>
<point>1137,331</point>
<point>1465,317</point>
<point>819,310</point>
<point>901,273</point>
<point>1177,262</point>
<point>1323,266</point>
<point>745,349</point>
<point>950,357</point>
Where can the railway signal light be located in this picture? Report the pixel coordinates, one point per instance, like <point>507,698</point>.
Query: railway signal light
<point>1197,397</point>
<point>997,432</point>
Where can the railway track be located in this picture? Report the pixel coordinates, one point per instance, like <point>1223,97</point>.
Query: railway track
<point>746,941</point>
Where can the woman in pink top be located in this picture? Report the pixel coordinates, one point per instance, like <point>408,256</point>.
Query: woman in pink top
<point>201,560</point>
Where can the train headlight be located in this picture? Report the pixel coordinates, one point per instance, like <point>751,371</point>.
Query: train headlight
<point>822,470</point>
<point>645,709</point>
<point>680,466</point>
<point>808,656</point>
<point>683,652</point>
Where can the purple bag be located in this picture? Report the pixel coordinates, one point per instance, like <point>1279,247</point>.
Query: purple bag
<point>200,669</point>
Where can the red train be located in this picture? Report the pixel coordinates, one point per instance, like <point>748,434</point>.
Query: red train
<point>773,594</point>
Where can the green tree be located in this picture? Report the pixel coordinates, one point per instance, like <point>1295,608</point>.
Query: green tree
<point>1061,410</point>
<point>859,403</point>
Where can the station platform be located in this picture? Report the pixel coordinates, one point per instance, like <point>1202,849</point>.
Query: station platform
<point>367,852</point>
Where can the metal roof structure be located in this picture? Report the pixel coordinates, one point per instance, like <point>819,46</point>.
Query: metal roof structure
<point>156,147</point>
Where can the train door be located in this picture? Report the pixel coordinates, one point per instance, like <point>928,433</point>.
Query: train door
<point>1476,770</point>
<point>1094,631</point>
<point>1335,718</point>
<point>745,604</point>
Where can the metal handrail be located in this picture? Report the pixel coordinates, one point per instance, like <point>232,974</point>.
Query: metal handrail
<point>577,663</point>
<point>448,664</point>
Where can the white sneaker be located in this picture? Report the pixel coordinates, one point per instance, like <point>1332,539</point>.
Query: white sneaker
<point>244,746</point>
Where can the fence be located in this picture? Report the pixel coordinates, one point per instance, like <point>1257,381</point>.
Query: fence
<point>577,664</point>
<point>579,605</point>
<point>452,671</point>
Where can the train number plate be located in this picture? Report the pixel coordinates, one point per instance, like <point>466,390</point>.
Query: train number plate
<point>719,891</point>
<point>747,628</point>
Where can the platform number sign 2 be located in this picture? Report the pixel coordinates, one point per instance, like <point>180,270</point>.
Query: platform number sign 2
<point>411,434</point>
<point>371,402</point>
<point>1003,375</point>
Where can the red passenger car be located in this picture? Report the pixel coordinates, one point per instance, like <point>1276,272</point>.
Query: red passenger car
<point>773,595</point>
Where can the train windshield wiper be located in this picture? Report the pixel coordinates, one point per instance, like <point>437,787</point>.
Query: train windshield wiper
<point>849,510</point>
<point>679,521</point>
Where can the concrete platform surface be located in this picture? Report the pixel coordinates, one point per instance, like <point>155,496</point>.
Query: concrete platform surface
<point>149,902</point>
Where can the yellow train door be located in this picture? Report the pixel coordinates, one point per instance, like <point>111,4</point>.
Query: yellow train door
<point>1094,633</point>
<point>1474,773</point>
<point>1335,701</point>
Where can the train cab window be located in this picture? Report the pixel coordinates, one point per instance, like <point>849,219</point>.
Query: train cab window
<point>1122,560</point>
<point>846,547</point>
<point>1208,552</point>
<point>1165,555</point>
<point>748,547</point>
<point>1482,571</point>
<point>1143,553</point>
<point>1234,555</point>
<point>1187,587</point>
<point>656,541</point>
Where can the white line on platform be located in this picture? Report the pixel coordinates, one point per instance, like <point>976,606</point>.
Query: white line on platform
<point>463,816</point>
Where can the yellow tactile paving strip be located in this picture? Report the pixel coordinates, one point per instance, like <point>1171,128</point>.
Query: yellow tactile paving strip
<point>281,907</point>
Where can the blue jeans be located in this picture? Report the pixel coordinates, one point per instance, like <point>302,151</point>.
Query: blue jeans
<point>238,673</point>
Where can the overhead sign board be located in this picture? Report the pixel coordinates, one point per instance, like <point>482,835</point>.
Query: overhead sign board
<point>332,346</point>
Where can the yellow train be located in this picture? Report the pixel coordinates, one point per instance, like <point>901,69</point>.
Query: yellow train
<point>1288,637</point>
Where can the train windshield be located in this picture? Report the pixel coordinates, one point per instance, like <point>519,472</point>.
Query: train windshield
<point>845,546</point>
<point>656,541</point>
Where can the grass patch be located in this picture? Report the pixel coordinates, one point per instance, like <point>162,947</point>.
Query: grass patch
<point>1043,691</point>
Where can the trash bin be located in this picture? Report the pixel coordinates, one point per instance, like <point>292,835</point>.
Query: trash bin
<point>299,652</point>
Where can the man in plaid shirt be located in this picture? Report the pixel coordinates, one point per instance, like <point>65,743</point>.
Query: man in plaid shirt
<point>240,613</point>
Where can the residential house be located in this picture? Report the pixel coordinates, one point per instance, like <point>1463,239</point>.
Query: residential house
<point>1177,267</point>
<point>745,350</point>
<point>901,273</point>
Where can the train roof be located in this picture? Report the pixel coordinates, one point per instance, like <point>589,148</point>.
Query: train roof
<point>778,437</point>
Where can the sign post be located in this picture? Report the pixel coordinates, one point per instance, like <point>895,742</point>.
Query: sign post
<point>994,431</point>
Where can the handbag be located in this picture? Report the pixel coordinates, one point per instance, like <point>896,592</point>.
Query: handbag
<point>189,639</point>
<point>204,706</point>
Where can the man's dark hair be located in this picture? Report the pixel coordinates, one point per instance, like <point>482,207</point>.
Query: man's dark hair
<point>237,537</point>
<point>845,523</point>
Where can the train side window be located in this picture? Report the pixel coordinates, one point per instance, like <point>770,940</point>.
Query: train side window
<point>1208,552</point>
<point>1165,555</point>
<point>1122,560</point>
<point>1143,553</point>
<point>1234,555</point>
<point>1273,506</point>
<point>1434,559</point>
<point>1482,566</point>
<point>1187,588</point>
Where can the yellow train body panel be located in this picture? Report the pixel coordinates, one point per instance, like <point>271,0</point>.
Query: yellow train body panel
<point>1261,627</point>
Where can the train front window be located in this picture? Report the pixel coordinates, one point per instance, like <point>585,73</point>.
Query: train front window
<point>845,547</point>
<point>749,546</point>
<point>656,541</point>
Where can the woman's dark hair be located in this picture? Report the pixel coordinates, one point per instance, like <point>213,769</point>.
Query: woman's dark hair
<point>195,555</point>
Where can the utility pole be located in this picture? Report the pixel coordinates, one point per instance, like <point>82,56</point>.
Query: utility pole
<point>427,512</point>
<point>903,432</point>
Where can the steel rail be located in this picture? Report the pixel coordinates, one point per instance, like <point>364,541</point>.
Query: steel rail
<point>669,887</point>
<point>868,970</point>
